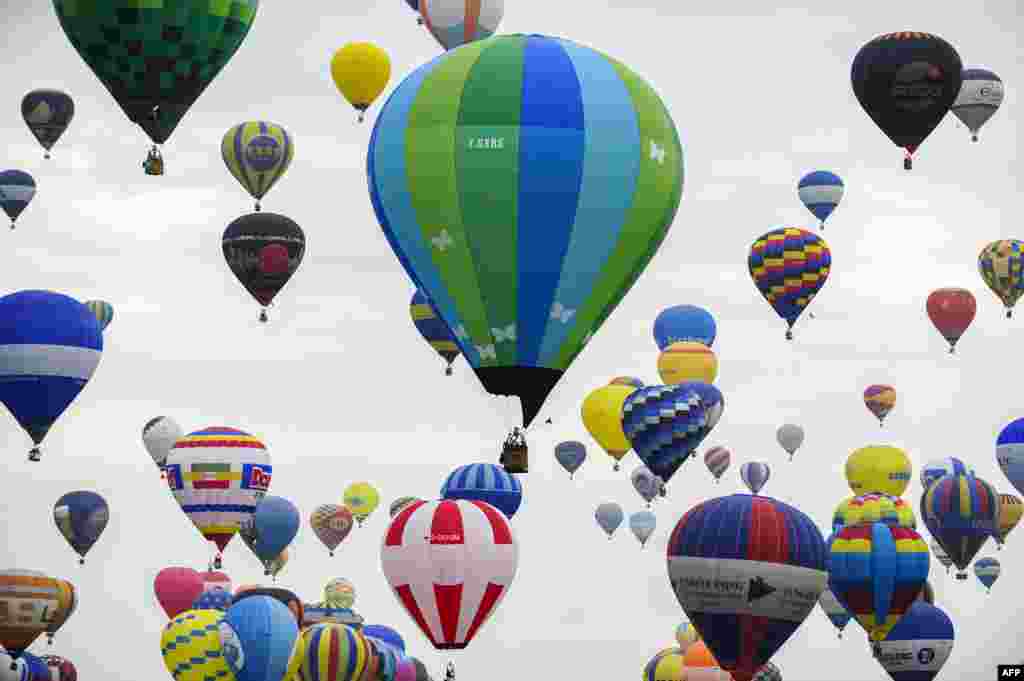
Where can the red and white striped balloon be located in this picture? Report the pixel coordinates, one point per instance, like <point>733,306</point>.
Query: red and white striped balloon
<point>450,564</point>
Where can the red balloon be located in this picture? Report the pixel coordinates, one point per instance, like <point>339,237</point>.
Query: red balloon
<point>177,588</point>
<point>274,259</point>
<point>951,311</point>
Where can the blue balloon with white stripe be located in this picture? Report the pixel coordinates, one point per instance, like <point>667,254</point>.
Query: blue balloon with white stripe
<point>919,645</point>
<point>16,191</point>
<point>267,631</point>
<point>821,191</point>
<point>1010,453</point>
<point>687,323</point>
<point>50,346</point>
<point>485,482</point>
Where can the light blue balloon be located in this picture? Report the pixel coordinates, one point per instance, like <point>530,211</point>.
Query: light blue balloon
<point>386,634</point>
<point>684,323</point>
<point>277,522</point>
<point>266,631</point>
<point>609,516</point>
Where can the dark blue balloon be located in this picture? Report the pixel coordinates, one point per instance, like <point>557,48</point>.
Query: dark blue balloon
<point>919,644</point>
<point>38,670</point>
<point>81,517</point>
<point>277,522</point>
<point>684,323</point>
<point>386,634</point>
<point>266,631</point>
<point>664,423</point>
<point>52,345</point>
<point>485,482</point>
<point>216,598</point>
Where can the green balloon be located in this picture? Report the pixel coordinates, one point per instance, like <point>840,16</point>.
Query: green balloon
<point>156,56</point>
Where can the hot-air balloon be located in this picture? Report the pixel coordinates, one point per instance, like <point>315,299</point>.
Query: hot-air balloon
<point>789,266</point>
<point>286,597</point>
<point>836,612</point>
<point>768,672</point>
<point>648,485</point>
<point>684,324</point>
<point>609,517</point>
<point>398,504</point>
<point>1010,511</point>
<point>103,311</point>
<point>81,518</point>
<point>570,455</point>
<point>684,361</point>
<point>362,499</point>
<point>1010,453</point>
<point>981,93</point>
<point>213,579</point>
<point>329,652</point>
<point>385,634</point>
<point>450,595</point>
<point>880,399</point>
<point>37,598</point>
<point>665,424</point>
<point>331,523</point>
<point>906,82</point>
<point>790,436</point>
<point>61,668</point>
<point>754,475</point>
<point>266,632</point>
<point>665,666</point>
<point>496,241</point>
<point>457,22</point>
<point>176,589</point>
<point>714,401</point>
<point>361,72</point>
<point>1000,264</point>
<point>153,62</point>
<point>433,329</point>
<point>276,564</point>
<point>263,251</point>
<point>717,461</point>
<point>820,191</point>
<point>876,570</point>
<point>940,554</point>
<point>195,647</point>
<point>16,191</point>
<point>961,511</point>
<point>918,646</point>
<point>36,666</point>
<point>214,599</point>
<point>484,482</point>
<point>701,665</point>
<point>987,571</point>
<point>270,529</point>
<point>642,524</point>
<point>882,469</point>
<point>158,436</point>
<point>631,381</point>
<point>258,154</point>
<point>938,468</point>
<point>67,604</point>
<point>774,581</point>
<point>52,345</point>
<point>951,310</point>
<point>218,475</point>
<point>602,416</point>
<point>47,114</point>
<point>843,514</point>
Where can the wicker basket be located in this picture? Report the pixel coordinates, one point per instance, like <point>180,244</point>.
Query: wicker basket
<point>515,459</point>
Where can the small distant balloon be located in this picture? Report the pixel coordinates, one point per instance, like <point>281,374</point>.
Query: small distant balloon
<point>821,191</point>
<point>951,310</point>
<point>643,524</point>
<point>790,437</point>
<point>1001,264</point>
<point>257,154</point>
<point>755,475</point>
<point>717,460</point>
<point>16,191</point>
<point>981,94</point>
<point>570,456</point>
<point>361,72</point>
<point>103,310</point>
<point>609,516</point>
<point>457,22</point>
<point>880,399</point>
<point>47,114</point>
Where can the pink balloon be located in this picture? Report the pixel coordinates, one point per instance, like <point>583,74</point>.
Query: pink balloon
<point>177,588</point>
<point>406,670</point>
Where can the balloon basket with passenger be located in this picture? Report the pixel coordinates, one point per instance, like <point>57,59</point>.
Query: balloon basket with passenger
<point>154,163</point>
<point>514,453</point>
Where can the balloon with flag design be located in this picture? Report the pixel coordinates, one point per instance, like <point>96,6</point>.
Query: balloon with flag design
<point>531,237</point>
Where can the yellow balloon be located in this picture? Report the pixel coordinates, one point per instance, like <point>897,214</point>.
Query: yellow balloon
<point>1010,511</point>
<point>602,416</point>
<point>685,361</point>
<point>361,71</point>
<point>878,468</point>
<point>361,498</point>
<point>195,647</point>
<point>665,667</point>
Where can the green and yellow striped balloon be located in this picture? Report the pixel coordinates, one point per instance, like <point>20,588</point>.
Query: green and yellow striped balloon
<point>258,154</point>
<point>524,182</point>
<point>103,310</point>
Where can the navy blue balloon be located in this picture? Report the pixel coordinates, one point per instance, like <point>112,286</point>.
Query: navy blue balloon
<point>266,631</point>
<point>277,522</point>
<point>485,482</point>
<point>385,634</point>
<point>216,598</point>
<point>52,345</point>
<point>920,643</point>
<point>38,670</point>
<point>684,323</point>
<point>81,517</point>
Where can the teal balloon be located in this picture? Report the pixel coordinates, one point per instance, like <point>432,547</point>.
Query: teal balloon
<point>103,310</point>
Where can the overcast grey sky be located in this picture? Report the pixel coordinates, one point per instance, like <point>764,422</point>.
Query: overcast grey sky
<point>341,387</point>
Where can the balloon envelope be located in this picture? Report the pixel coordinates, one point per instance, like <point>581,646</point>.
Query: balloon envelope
<point>951,310</point>
<point>258,154</point>
<point>789,266</point>
<point>981,94</point>
<point>485,482</point>
<point>81,517</point>
<point>665,424</point>
<point>571,455</point>
<point>245,245</point>
<point>497,241</point>
<point>177,588</point>
<point>158,436</point>
<point>16,191</point>
<point>881,469</point>
<point>1001,265</point>
<point>1010,453</point>
<point>609,516</point>
<point>47,113</point>
<point>196,647</point>
<point>457,22</point>
<point>918,646</point>
<point>687,323</point>
<point>267,631</point>
<point>820,191</point>
<point>276,522</point>
<point>961,512</point>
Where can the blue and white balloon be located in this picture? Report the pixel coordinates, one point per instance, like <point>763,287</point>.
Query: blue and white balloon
<point>485,482</point>
<point>821,191</point>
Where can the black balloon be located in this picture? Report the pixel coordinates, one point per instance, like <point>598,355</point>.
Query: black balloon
<point>263,250</point>
<point>906,82</point>
<point>47,114</point>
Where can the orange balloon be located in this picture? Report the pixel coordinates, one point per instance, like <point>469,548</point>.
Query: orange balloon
<point>698,655</point>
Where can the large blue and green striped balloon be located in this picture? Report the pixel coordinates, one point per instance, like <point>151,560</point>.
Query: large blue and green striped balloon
<point>524,182</point>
